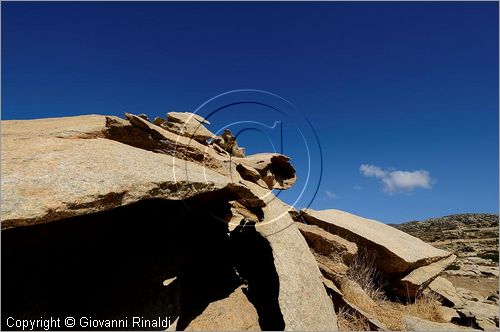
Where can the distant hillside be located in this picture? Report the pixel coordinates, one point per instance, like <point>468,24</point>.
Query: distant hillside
<point>473,237</point>
<point>456,226</point>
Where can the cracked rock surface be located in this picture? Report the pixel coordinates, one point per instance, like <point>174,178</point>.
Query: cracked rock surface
<point>106,190</point>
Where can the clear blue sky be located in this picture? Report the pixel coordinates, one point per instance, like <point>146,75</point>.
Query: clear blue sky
<point>410,87</point>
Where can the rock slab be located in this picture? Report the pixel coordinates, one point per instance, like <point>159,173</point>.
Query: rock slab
<point>416,281</point>
<point>446,291</point>
<point>396,252</point>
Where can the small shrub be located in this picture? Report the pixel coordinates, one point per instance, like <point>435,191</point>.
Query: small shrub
<point>436,238</point>
<point>491,255</point>
<point>467,248</point>
<point>453,267</point>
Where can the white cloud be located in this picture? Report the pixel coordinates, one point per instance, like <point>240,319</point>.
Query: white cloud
<point>331,195</point>
<point>395,181</point>
<point>372,170</point>
<point>356,187</point>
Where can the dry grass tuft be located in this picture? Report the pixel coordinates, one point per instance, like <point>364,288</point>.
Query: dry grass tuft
<point>390,313</point>
<point>426,307</point>
<point>363,271</point>
<point>351,321</point>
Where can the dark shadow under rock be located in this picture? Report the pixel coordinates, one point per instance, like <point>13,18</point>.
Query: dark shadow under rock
<point>255,264</point>
<point>112,265</point>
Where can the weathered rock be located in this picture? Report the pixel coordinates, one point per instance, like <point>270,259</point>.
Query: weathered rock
<point>275,169</point>
<point>353,292</point>
<point>473,270</point>
<point>448,314</point>
<point>142,134</point>
<point>169,281</point>
<point>469,295</point>
<point>238,151</point>
<point>241,213</point>
<point>303,300</point>
<point>191,130</point>
<point>329,268</point>
<point>80,165</point>
<point>419,324</point>
<point>60,172</point>
<point>173,325</point>
<point>234,313</point>
<point>445,291</point>
<point>331,251</point>
<point>416,281</point>
<point>185,117</point>
<point>326,244</point>
<point>248,173</point>
<point>220,150</point>
<point>482,315</point>
<point>228,143</point>
<point>396,252</point>
<point>143,116</point>
<point>493,298</point>
<point>158,121</point>
<point>189,125</point>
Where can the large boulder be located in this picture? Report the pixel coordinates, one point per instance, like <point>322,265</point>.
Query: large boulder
<point>82,168</point>
<point>396,252</point>
<point>331,251</point>
<point>448,314</point>
<point>445,291</point>
<point>67,168</point>
<point>415,282</point>
<point>302,297</point>
<point>481,315</point>
<point>234,313</point>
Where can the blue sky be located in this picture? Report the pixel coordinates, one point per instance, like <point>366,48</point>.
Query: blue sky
<point>403,96</point>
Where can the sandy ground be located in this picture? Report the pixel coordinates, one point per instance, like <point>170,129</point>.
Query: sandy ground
<point>484,286</point>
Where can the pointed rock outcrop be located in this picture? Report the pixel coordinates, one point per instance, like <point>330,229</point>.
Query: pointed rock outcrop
<point>417,280</point>
<point>269,170</point>
<point>445,291</point>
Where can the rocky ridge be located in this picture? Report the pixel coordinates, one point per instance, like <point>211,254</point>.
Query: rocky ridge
<point>164,218</point>
<point>61,176</point>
